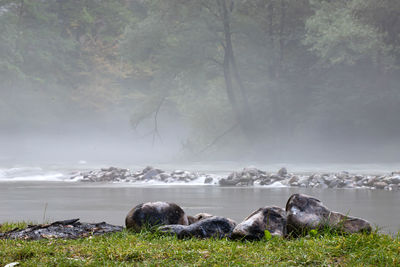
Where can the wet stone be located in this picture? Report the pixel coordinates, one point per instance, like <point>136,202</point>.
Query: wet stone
<point>150,214</point>
<point>216,227</point>
<point>208,180</point>
<point>380,185</point>
<point>253,227</point>
<point>150,174</point>
<point>294,179</point>
<point>226,182</point>
<point>164,176</point>
<point>395,180</point>
<point>333,184</point>
<point>305,213</point>
<point>282,172</point>
<point>68,229</point>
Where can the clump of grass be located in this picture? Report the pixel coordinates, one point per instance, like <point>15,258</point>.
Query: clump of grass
<point>5,227</point>
<point>148,248</point>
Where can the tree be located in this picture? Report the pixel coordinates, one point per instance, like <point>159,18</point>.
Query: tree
<point>355,42</point>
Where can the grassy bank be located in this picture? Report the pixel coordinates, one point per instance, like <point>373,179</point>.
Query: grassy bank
<point>125,249</point>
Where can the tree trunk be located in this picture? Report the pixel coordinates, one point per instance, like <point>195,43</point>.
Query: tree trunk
<point>19,22</point>
<point>271,68</point>
<point>242,108</point>
<point>229,87</point>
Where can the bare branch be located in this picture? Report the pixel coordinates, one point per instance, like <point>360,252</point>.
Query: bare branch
<point>219,137</point>
<point>210,9</point>
<point>223,45</point>
<point>215,61</point>
<point>156,132</point>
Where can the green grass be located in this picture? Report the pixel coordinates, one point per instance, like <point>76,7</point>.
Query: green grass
<point>127,249</point>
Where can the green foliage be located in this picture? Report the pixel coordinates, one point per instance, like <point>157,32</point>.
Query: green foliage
<point>314,233</point>
<point>267,235</point>
<point>337,35</point>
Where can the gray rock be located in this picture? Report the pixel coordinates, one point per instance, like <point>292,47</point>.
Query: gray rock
<point>208,180</point>
<point>233,176</point>
<point>276,177</point>
<point>303,180</point>
<point>294,179</point>
<point>305,213</point>
<point>358,177</point>
<point>359,183</point>
<point>380,185</point>
<point>395,180</point>
<point>393,187</point>
<point>150,174</point>
<point>283,172</point>
<point>266,181</point>
<point>245,182</point>
<point>328,178</point>
<point>67,229</point>
<point>193,176</point>
<point>164,176</point>
<point>169,180</point>
<point>252,171</point>
<point>153,214</point>
<point>199,217</point>
<point>372,180</point>
<point>343,175</point>
<point>272,219</point>
<point>226,182</point>
<point>216,227</point>
<point>333,184</point>
<point>148,168</point>
<point>346,184</point>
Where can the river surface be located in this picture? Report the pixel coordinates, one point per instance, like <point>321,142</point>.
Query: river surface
<point>38,201</point>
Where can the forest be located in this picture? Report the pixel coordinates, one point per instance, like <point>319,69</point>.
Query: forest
<point>223,79</point>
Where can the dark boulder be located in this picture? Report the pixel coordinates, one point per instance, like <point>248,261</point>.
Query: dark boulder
<point>253,227</point>
<point>227,182</point>
<point>155,213</point>
<point>216,227</point>
<point>305,213</point>
<point>150,173</point>
<point>208,180</point>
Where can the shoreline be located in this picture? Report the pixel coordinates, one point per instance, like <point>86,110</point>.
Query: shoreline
<point>248,177</point>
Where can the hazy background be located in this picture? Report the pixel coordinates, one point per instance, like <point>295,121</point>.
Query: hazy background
<point>173,80</point>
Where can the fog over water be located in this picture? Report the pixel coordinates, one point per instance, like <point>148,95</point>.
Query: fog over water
<point>129,81</point>
<point>119,145</point>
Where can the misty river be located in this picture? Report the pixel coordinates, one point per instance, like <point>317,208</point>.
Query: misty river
<point>41,197</point>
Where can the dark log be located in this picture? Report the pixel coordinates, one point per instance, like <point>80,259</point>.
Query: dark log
<point>67,229</point>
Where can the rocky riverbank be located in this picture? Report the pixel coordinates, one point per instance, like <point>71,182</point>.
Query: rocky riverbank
<point>247,177</point>
<point>148,174</point>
